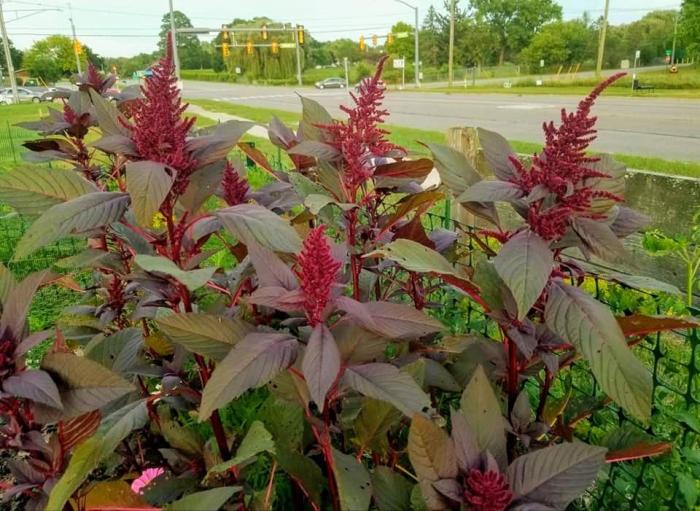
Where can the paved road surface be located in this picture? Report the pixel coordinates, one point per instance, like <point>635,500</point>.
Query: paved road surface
<point>665,128</point>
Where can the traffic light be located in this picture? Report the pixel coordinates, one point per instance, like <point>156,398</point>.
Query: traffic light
<point>275,47</point>
<point>249,47</point>
<point>362,43</point>
<point>300,34</point>
<point>375,40</point>
<point>225,51</point>
<point>78,47</point>
<point>389,39</point>
<point>263,33</point>
<point>224,33</point>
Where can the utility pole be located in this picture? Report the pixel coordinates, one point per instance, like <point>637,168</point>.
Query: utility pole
<point>601,41</point>
<point>347,76</point>
<point>75,40</point>
<point>173,36</point>
<point>675,33</point>
<point>8,56</point>
<point>450,61</point>
<point>298,49</point>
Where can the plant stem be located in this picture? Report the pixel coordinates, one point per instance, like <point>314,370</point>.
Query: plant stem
<point>268,493</point>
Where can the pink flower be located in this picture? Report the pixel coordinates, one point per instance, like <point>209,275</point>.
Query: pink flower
<point>487,491</point>
<point>317,273</point>
<point>360,138</point>
<point>145,479</point>
<point>564,169</point>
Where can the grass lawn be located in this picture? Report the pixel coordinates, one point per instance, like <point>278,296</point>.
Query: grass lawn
<point>567,90</point>
<point>410,137</point>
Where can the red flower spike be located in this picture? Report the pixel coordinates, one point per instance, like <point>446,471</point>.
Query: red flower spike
<point>234,186</point>
<point>563,168</point>
<point>359,138</point>
<point>317,273</point>
<point>159,132</point>
<point>487,491</point>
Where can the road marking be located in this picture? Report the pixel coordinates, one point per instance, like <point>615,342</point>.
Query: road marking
<point>279,96</point>
<point>525,106</point>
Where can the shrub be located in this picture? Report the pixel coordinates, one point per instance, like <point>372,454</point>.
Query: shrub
<point>326,312</point>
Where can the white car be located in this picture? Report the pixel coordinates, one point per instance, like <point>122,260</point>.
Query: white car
<point>6,97</point>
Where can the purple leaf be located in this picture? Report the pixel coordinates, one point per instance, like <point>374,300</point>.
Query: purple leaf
<point>321,364</point>
<point>35,385</point>
<point>31,341</point>
<point>450,488</point>
<point>497,152</point>
<point>278,298</point>
<point>315,149</point>
<point>599,239</point>
<point>19,299</point>
<point>467,450</point>
<point>395,320</point>
<point>525,263</point>
<point>148,184</point>
<point>628,221</point>
<point>251,363</point>
<point>270,269</point>
<point>252,223</point>
<point>491,191</point>
<point>386,383</point>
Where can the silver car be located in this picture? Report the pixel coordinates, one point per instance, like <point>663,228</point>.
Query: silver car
<point>6,97</point>
<point>25,95</point>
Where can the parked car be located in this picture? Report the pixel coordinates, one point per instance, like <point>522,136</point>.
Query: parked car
<point>331,83</point>
<point>25,94</point>
<point>56,93</point>
<point>6,97</point>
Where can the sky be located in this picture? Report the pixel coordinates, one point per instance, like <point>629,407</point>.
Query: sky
<point>128,27</point>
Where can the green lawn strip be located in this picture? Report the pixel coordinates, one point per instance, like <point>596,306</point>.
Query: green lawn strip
<point>571,90</point>
<point>410,138</point>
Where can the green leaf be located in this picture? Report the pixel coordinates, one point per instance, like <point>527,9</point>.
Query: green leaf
<point>303,471</point>
<point>31,191</point>
<point>193,279</point>
<point>313,115</point>
<point>525,263</point>
<point>111,121</point>
<point>373,423</point>
<point>316,202</point>
<point>352,478</point>
<point>89,454</point>
<point>415,257</point>
<point>251,363</point>
<point>391,491</point>
<point>207,500</point>
<point>284,420</point>
<point>253,223</point>
<point>118,351</point>
<point>148,183</point>
<point>321,364</point>
<point>84,385</point>
<point>257,440</point>
<point>386,383</point>
<point>456,173</point>
<point>480,407</point>
<point>688,486</point>
<point>75,216</point>
<point>592,329</point>
<point>203,183</point>
<point>556,475</point>
<point>7,283</point>
<point>432,456</point>
<point>208,335</point>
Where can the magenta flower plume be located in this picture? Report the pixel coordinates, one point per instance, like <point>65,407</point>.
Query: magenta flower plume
<point>564,169</point>
<point>487,491</point>
<point>159,131</point>
<point>145,479</point>
<point>360,138</point>
<point>317,274</point>
<point>234,186</point>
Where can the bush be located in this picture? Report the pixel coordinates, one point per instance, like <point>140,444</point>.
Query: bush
<point>312,373</point>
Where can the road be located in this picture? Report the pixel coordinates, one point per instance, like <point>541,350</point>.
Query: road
<point>666,128</point>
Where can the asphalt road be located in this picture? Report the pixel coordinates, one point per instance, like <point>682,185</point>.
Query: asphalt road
<point>667,128</point>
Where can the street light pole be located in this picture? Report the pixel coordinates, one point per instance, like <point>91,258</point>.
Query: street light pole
<point>675,33</point>
<point>8,56</point>
<point>601,41</point>
<point>173,37</point>
<point>75,40</point>
<point>450,61</point>
<point>416,60</point>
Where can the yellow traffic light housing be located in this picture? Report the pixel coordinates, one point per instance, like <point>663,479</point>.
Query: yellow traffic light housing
<point>78,47</point>
<point>249,47</point>
<point>362,43</point>
<point>263,32</point>
<point>225,51</point>
<point>224,33</point>
<point>390,39</point>
<point>300,34</point>
<point>275,47</point>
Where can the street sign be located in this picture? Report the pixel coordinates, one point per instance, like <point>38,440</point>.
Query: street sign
<point>625,64</point>
<point>541,62</point>
<point>399,63</point>
<point>668,53</point>
<point>638,54</point>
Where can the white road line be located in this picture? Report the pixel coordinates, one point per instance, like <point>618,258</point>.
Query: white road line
<point>525,106</point>
<point>278,96</point>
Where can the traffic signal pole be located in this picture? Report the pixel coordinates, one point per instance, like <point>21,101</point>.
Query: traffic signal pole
<point>173,35</point>
<point>298,50</point>
<point>601,41</point>
<point>75,41</point>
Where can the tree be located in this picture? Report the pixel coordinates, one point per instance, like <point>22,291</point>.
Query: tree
<point>15,55</point>
<point>188,46</point>
<point>561,43</point>
<point>345,48</point>
<point>652,35</point>
<point>431,37</point>
<point>689,26</point>
<point>402,46</point>
<point>514,22</point>
<point>52,57</point>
